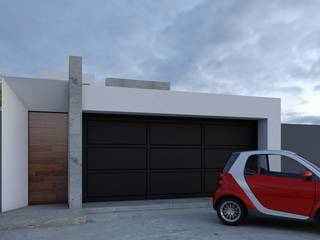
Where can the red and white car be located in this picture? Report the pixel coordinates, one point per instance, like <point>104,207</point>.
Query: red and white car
<point>274,183</point>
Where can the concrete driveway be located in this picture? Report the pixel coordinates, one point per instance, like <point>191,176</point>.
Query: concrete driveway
<point>190,223</point>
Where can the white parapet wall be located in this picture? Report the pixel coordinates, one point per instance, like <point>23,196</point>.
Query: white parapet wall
<point>14,175</point>
<point>173,103</point>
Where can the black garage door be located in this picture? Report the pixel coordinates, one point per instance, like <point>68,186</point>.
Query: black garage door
<point>136,157</point>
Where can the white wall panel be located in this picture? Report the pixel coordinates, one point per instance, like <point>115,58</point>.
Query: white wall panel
<point>158,102</point>
<point>14,150</point>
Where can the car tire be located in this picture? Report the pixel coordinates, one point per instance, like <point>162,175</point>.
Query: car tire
<point>317,217</point>
<point>231,211</point>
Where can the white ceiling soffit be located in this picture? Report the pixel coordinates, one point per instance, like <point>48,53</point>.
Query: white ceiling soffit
<point>41,94</point>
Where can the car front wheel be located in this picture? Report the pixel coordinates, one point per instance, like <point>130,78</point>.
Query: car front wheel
<point>231,211</point>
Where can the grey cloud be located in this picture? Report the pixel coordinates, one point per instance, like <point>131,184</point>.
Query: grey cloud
<point>227,49</point>
<point>305,119</point>
<point>112,36</point>
<point>316,88</point>
<point>292,89</point>
<point>246,47</point>
<point>297,117</point>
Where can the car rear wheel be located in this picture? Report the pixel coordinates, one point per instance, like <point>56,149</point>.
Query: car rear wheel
<point>317,217</point>
<point>231,211</point>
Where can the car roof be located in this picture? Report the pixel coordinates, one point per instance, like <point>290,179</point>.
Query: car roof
<point>268,151</point>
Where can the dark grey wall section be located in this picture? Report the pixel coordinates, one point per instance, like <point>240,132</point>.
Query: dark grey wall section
<point>302,139</point>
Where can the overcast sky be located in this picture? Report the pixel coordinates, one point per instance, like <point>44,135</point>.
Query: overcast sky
<point>246,47</point>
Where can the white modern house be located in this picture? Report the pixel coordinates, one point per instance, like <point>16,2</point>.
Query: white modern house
<point>72,141</point>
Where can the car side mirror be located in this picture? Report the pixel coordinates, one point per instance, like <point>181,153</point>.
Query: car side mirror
<point>307,174</point>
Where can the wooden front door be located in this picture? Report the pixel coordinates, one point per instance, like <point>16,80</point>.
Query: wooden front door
<point>48,157</point>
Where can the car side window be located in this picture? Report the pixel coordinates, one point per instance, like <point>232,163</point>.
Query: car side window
<point>285,166</point>
<point>257,164</point>
<point>273,165</point>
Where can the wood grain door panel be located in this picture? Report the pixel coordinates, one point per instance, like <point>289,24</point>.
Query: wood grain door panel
<point>48,157</point>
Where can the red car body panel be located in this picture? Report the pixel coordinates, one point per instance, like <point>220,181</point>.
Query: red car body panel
<point>316,207</point>
<point>274,193</point>
<point>297,196</point>
<point>287,194</point>
<point>229,187</point>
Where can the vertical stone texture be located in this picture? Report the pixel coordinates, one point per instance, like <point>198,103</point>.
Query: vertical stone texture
<point>75,133</point>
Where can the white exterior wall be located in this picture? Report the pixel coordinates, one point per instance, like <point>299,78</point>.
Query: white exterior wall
<point>19,96</point>
<point>158,102</point>
<point>14,151</point>
<point>46,95</point>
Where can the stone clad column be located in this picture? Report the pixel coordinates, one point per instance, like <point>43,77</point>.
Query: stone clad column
<point>75,133</point>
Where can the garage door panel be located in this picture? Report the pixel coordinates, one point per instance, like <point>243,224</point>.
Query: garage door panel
<point>211,180</point>
<point>175,134</point>
<point>130,157</point>
<point>105,132</point>
<point>116,184</point>
<point>175,183</point>
<point>229,135</point>
<point>175,158</point>
<point>217,158</point>
<point>117,158</point>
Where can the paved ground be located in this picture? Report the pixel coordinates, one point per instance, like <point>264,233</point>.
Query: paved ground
<point>195,223</point>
